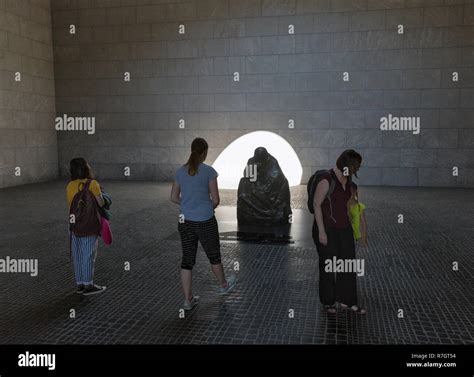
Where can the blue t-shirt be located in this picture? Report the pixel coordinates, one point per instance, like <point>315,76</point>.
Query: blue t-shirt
<point>196,203</point>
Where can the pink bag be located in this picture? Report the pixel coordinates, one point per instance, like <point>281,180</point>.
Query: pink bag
<point>106,232</point>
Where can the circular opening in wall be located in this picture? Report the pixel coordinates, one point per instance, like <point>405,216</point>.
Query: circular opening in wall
<point>232,161</point>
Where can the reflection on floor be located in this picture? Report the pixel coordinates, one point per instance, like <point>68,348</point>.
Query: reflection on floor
<point>298,233</point>
<point>408,267</point>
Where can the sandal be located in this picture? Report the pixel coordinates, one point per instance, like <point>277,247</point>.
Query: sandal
<point>356,309</point>
<point>330,309</point>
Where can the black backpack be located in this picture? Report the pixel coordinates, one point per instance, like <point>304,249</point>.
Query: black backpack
<point>313,183</point>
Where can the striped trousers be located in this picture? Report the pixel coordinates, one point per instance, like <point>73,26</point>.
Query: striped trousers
<point>206,232</point>
<point>84,252</point>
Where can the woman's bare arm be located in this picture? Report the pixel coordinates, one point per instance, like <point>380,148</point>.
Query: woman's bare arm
<point>214,190</point>
<point>321,191</point>
<point>175,193</point>
<point>100,200</point>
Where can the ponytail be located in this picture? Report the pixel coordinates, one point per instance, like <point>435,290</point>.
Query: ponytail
<point>199,148</point>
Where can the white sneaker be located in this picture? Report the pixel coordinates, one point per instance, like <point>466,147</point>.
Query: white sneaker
<point>188,305</point>
<point>231,283</point>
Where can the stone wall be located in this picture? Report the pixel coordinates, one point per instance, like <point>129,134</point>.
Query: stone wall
<point>283,76</point>
<point>28,142</point>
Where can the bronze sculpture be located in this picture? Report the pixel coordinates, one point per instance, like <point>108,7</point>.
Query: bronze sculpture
<point>264,192</point>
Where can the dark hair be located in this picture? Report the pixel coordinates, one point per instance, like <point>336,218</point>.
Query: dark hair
<point>349,159</point>
<point>199,148</point>
<point>79,169</point>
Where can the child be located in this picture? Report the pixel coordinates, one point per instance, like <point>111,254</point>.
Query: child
<point>357,216</point>
<point>85,229</point>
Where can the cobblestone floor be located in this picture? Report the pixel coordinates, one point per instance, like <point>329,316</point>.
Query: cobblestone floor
<point>408,267</point>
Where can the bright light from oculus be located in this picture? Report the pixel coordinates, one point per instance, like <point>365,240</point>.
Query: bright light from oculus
<point>232,161</point>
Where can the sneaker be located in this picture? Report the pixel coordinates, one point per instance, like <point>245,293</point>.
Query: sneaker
<point>231,283</point>
<point>93,290</point>
<point>188,305</point>
<point>356,309</point>
<point>80,289</point>
<point>330,309</point>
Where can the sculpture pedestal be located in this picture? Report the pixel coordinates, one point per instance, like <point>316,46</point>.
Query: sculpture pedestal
<point>297,234</point>
<point>264,233</point>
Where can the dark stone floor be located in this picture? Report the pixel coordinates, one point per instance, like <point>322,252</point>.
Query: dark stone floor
<point>408,266</point>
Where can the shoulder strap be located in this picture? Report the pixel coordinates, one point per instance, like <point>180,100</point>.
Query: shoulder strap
<point>88,183</point>
<point>332,183</point>
<point>81,186</point>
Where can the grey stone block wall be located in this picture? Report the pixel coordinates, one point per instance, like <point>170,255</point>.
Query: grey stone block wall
<point>28,142</point>
<point>283,76</point>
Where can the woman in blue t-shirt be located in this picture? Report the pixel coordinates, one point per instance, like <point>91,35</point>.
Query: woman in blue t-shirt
<point>195,190</point>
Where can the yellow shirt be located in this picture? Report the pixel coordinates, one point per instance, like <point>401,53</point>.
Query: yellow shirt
<point>73,188</point>
<point>356,215</point>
